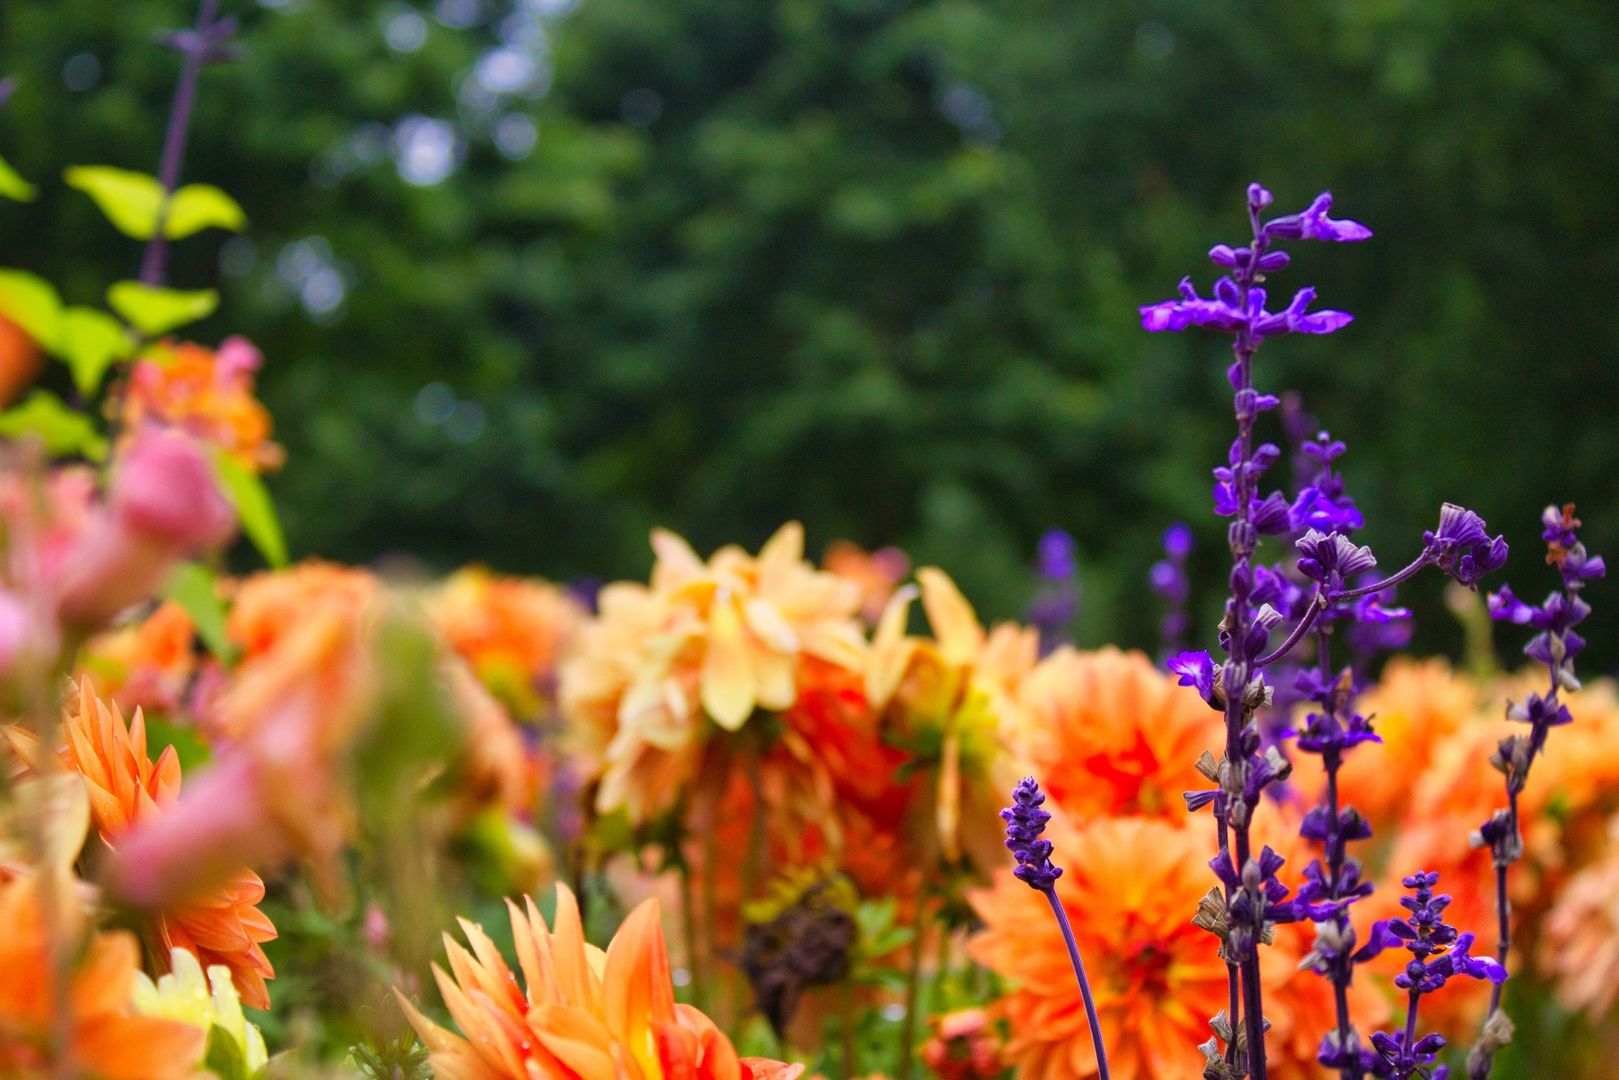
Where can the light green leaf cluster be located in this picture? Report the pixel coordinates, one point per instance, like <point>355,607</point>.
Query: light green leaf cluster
<point>138,206</point>
<point>85,339</point>
<point>154,311</point>
<point>63,430</point>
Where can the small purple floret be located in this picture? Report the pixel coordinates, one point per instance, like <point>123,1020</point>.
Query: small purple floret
<point>1025,821</point>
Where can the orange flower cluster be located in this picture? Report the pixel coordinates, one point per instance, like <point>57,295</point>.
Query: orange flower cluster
<point>221,925</point>
<point>513,631</point>
<point>701,648</point>
<point>147,665</point>
<point>1113,740</point>
<point>584,1015</point>
<point>208,393</point>
<point>106,1037</point>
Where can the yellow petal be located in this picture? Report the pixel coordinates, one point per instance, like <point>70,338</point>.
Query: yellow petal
<point>767,624</point>
<point>781,557</point>
<point>677,562</point>
<point>891,650</point>
<point>727,688</point>
<point>954,623</point>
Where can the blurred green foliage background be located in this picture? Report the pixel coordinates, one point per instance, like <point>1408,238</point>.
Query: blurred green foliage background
<point>873,264</point>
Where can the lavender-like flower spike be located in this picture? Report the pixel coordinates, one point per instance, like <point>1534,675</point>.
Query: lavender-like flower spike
<point>1025,821</point>
<point>1425,934</point>
<point>1556,646</point>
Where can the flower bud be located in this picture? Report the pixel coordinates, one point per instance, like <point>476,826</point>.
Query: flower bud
<point>164,504</point>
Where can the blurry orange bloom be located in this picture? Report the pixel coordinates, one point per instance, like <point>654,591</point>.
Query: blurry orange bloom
<point>209,393</point>
<point>269,605</point>
<point>127,789</point>
<point>585,1015</point>
<point>878,573</point>
<point>290,716</point>
<point>108,1039</point>
<point>499,769</point>
<point>145,665</point>
<point>716,639</point>
<point>1581,944</point>
<point>1130,889</point>
<point>19,360</point>
<point>1109,733</point>
<point>1413,708</point>
<point>511,630</point>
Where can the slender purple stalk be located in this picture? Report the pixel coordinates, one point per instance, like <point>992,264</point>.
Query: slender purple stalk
<point>1555,646</point>
<point>203,44</point>
<point>1025,821</point>
<point>1425,934</point>
<point>1263,599</point>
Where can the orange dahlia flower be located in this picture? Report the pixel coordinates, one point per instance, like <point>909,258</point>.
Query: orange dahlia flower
<point>279,787</point>
<point>269,605</point>
<point>1131,887</point>
<point>127,789</point>
<point>584,1015</point>
<point>1580,948</point>
<point>1110,733</point>
<point>716,639</point>
<point>207,392</point>
<point>511,630</point>
<point>108,1039</point>
<point>146,665</point>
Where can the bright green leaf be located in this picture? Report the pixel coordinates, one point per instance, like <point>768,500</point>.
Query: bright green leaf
<point>132,201</point>
<point>191,585</point>
<point>13,186</point>
<point>196,207</point>
<point>157,311</point>
<point>63,430</point>
<point>32,303</point>
<point>255,509</point>
<point>226,1058</point>
<point>90,341</point>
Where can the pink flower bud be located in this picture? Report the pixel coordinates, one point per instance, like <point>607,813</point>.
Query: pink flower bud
<point>164,504</point>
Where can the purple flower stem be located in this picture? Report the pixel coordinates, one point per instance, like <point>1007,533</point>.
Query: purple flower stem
<point>174,139</point>
<point>1389,582</point>
<point>1243,538</point>
<point>1084,984</point>
<point>1317,606</point>
<point>1331,762</point>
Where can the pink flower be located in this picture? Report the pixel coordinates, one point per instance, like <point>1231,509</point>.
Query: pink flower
<point>164,504</point>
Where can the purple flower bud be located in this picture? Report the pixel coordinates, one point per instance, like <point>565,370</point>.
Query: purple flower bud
<point>1055,557</point>
<point>1329,558</point>
<point>1272,261</point>
<point>1177,541</point>
<point>1258,197</point>
<point>1222,255</point>
<point>1025,821</point>
<point>1462,547</point>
